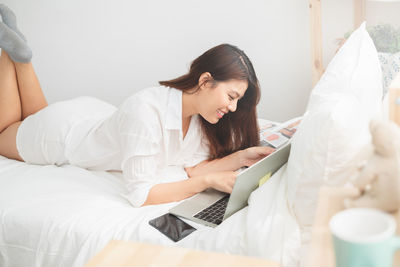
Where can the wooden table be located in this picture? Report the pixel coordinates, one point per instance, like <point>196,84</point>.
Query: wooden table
<point>330,201</point>
<point>122,253</point>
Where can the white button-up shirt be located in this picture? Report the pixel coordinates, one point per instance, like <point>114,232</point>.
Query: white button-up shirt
<point>143,138</point>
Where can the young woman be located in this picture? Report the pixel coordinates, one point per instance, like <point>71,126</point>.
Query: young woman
<point>203,122</point>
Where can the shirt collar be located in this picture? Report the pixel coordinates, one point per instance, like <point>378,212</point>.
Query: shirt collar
<point>174,110</point>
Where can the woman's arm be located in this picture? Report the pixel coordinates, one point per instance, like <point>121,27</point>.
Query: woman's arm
<point>232,162</point>
<point>169,192</point>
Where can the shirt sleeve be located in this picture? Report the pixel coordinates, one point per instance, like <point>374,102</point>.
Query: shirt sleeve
<point>140,148</point>
<point>140,176</point>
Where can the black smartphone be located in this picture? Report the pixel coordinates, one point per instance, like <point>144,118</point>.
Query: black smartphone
<point>171,226</point>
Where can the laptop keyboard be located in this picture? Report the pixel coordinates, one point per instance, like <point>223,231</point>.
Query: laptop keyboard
<point>214,213</point>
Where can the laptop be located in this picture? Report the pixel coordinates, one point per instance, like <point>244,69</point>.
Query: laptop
<point>212,207</point>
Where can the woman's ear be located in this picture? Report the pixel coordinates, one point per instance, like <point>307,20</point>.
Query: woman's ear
<point>204,78</point>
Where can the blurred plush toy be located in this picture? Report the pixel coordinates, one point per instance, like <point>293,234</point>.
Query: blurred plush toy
<point>379,180</point>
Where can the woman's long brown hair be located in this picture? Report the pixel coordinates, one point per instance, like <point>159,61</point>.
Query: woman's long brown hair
<point>236,130</point>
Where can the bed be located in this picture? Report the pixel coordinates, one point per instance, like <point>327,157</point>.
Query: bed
<point>63,216</point>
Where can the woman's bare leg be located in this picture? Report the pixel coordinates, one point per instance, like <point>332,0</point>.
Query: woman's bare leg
<point>10,108</point>
<point>10,104</point>
<point>8,142</point>
<point>20,91</point>
<point>20,96</point>
<point>30,92</point>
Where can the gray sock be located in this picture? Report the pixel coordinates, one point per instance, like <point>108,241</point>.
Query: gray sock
<point>10,19</point>
<point>14,45</point>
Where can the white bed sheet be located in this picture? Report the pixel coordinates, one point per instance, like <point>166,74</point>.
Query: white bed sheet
<point>63,216</point>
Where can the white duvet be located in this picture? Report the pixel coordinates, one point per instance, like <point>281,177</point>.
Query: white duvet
<point>62,216</point>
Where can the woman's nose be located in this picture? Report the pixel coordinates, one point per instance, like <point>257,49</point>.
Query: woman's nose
<point>232,106</point>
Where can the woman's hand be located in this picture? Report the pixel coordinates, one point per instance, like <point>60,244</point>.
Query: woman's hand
<point>253,154</point>
<point>222,181</point>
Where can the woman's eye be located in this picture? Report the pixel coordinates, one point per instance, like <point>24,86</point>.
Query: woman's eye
<point>231,98</point>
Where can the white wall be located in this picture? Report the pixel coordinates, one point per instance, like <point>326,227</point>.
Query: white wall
<point>110,49</point>
<point>382,13</point>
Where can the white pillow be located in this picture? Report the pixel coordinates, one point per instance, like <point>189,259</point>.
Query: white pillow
<point>335,127</point>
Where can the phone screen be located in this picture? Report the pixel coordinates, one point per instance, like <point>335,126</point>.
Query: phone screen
<point>171,226</point>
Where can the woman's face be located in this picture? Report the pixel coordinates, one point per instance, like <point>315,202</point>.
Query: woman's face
<point>215,102</point>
